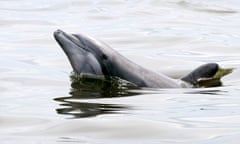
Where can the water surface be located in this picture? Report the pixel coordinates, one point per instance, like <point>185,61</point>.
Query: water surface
<point>37,104</point>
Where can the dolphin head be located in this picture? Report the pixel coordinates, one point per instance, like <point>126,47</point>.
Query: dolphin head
<point>82,53</point>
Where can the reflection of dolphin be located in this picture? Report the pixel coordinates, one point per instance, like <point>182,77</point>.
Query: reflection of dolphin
<point>88,55</point>
<point>86,88</point>
<point>86,109</point>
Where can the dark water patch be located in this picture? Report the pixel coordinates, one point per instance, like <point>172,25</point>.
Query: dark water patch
<point>207,91</point>
<point>85,87</point>
<point>100,87</point>
<point>88,109</point>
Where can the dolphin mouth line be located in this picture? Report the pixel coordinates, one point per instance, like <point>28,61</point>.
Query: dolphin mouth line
<point>72,38</point>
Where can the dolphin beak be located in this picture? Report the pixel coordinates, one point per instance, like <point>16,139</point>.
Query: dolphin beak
<point>63,38</point>
<point>81,59</point>
<point>69,43</point>
<point>71,48</point>
<point>57,32</point>
<point>59,35</point>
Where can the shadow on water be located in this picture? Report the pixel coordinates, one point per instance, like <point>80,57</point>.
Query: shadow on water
<point>85,88</point>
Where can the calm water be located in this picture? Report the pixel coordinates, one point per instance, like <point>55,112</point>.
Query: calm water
<point>38,103</point>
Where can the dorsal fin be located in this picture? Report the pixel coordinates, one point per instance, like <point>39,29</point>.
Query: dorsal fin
<point>202,72</point>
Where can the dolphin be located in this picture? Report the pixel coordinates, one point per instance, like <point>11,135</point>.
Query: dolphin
<point>91,56</point>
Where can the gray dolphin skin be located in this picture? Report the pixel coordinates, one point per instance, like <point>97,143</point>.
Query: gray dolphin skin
<point>88,55</point>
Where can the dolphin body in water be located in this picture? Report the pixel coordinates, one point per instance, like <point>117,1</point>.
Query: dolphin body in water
<point>90,56</point>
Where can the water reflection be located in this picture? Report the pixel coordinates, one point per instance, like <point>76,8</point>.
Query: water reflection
<point>85,109</point>
<point>89,87</point>
<point>207,91</point>
<point>88,92</point>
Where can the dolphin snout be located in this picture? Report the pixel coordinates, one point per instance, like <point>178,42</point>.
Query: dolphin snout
<point>57,32</point>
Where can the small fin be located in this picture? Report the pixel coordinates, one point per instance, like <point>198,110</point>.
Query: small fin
<point>207,75</point>
<point>203,71</point>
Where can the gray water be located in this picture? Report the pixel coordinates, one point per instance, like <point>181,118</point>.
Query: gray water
<point>167,36</point>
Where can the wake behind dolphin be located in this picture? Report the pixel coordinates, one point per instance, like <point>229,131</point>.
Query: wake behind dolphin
<point>90,56</point>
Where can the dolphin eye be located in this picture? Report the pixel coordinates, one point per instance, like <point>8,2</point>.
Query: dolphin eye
<point>104,57</point>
